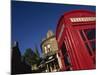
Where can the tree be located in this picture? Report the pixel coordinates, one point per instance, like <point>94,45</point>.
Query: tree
<point>29,56</point>
<point>37,55</point>
<point>32,57</point>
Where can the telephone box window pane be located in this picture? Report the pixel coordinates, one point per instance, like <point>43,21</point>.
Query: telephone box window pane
<point>63,49</point>
<point>88,48</point>
<point>65,56</point>
<point>66,60</point>
<point>93,45</point>
<point>91,33</point>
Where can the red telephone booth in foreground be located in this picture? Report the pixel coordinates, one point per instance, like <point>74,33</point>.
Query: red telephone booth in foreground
<point>76,35</point>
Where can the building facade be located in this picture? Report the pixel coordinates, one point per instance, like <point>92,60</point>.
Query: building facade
<point>49,50</point>
<point>75,36</point>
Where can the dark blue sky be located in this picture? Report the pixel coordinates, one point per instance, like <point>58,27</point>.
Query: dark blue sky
<point>31,21</point>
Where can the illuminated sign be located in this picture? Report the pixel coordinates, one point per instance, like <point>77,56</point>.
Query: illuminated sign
<point>83,19</point>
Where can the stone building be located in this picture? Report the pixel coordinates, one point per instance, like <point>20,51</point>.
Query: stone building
<point>49,48</point>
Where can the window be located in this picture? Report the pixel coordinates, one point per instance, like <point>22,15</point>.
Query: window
<point>88,48</point>
<point>88,36</point>
<point>93,45</point>
<point>90,33</point>
<point>48,47</point>
<point>65,56</point>
<point>45,48</point>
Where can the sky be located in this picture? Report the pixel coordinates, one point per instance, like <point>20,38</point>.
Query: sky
<point>32,20</point>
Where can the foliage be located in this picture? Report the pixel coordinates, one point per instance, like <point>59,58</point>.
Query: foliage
<point>32,57</point>
<point>28,56</point>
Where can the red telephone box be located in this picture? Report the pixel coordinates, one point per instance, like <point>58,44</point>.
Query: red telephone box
<point>76,35</point>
